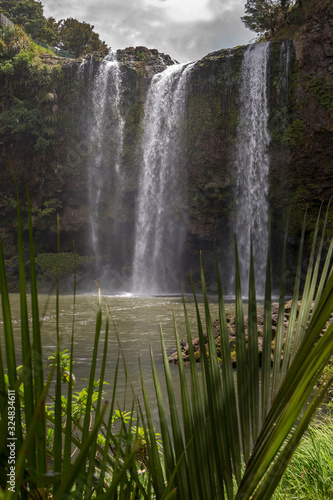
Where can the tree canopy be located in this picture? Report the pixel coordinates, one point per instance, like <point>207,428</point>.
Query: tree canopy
<point>70,35</point>
<point>79,37</point>
<point>26,13</point>
<point>266,15</point>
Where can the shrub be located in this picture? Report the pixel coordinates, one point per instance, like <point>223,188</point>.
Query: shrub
<point>47,263</point>
<point>13,41</point>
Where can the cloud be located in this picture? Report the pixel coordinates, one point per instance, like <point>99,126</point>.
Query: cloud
<point>185,29</point>
<point>184,10</point>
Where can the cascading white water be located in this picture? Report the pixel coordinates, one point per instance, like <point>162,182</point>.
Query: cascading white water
<point>252,161</point>
<point>160,227</point>
<point>106,136</point>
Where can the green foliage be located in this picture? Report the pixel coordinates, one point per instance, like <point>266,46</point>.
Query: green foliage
<point>28,98</point>
<point>141,55</point>
<point>8,68</point>
<point>22,117</point>
<point>294,133</point>
<point>262,15</point>
<point>310,473</point>
<point>323,91</point>
<point>41,147</point>
<point>305,10</point>
<point>79,37</point>
<point>40,47</point>
<point>12,41</point>
<point>39,429</point>
<point>48,33</point>
<point>222,439</point>
<point>47,263</point>
<point>49,209</point>
<point>22,61</point>
<point>8,201</point>
<point>265,15</point>
<point>28,14</point>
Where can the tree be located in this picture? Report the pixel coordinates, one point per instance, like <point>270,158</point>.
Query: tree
<point>68,34</point>
<point>79,37</point>
<point>265,15</point>
<point>261,15</point>
<point>49,33</point>
<point>26,13</point>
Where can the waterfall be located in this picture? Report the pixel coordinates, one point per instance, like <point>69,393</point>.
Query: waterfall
<point>252,161</point>
<point>106,137</point>
<point>160,227</point>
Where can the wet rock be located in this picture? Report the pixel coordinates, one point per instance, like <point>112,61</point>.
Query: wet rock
<point>185,349</point>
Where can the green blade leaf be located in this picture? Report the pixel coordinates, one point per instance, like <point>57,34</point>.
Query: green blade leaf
<point>182,480</point>
<point>154,463</point>
<point>37,351</point>
<point>68,428</point>
<point>200,424</point>
<point>266,360</point>
<point>57,448</point>
<point>72,475</point>
<point>229,393</point>
<point>242,367</point>
<point>217,417</point>
<point>167,448</point>
<point>253,351</point>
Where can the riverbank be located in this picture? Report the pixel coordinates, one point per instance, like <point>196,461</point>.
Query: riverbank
<point>231,324</point>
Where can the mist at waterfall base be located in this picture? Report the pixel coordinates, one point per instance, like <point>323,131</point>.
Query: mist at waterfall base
<point>146,257</point>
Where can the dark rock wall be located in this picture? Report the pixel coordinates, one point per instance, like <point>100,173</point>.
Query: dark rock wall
<point>302,149</point>
<point>211,127</point>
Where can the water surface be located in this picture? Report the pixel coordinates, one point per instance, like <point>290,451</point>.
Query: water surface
<point>137,322</point>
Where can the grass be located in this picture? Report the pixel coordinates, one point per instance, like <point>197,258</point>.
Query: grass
<point>37,48</point>
<point>205,446</point>
<point>310,473</point>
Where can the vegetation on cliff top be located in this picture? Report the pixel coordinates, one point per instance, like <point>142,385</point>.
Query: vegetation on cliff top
<point>78,38</point>
<point>25,111</point>
<point>269,17</point>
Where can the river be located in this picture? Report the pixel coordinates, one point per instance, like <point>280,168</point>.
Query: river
<point>136,320</point>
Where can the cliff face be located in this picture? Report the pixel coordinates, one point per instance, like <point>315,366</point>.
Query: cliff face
<point>300,92</point>
<point>212,120</point>
<point>50,147</point>
<point>313,105</point>
<point>302,153</point>
<point>48,143</point>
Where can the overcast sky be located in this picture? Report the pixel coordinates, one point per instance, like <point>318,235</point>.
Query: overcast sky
<point>185,29</point>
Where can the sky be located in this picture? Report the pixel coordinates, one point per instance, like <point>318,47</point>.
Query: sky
<point>187,30</point>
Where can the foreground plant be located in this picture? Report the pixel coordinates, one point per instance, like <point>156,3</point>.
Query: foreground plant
<point>310,472</point>
<point>37,438</point>
<point>238,428</point>
<point>256,418</point>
